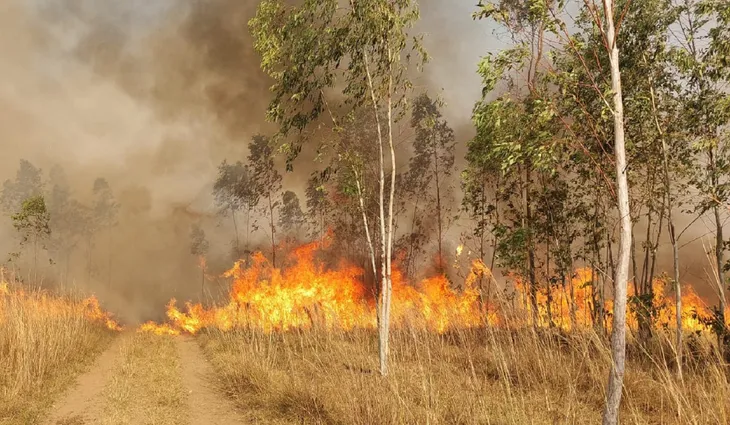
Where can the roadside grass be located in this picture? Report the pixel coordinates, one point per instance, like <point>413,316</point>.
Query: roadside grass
<point>45,342</point>
<point>478,376</point>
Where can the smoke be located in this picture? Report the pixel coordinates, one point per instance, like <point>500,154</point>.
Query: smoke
<point>150,97</point>
<point>153,96</point>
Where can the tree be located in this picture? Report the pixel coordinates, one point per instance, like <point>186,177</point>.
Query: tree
<point>538,17</point>
<point>303,48</point>
<point>266,181</point>
<point>291,218</point>
<point>234,190</point>
<point>66,219</point>
<point>704,69</point>
<point>432,163</point>
<point>318,204</point>
<point>618,332</point>
<point>199,246</point>
<point>105,209</point>
<point>27,184</point>
<point>31,222</point>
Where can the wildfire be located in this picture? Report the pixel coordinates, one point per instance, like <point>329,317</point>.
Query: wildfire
<point>43,304</point>
<point>581,290</point>
<point>95,313</point>
<point>305,294</point>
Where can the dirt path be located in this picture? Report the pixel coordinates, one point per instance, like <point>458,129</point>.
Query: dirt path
<point>84,400</point>
<point>205,404</point>
<point>144,379</point>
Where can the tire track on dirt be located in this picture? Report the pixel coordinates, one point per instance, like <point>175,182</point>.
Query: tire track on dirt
<point>84,399</point>
<point>206,404</point>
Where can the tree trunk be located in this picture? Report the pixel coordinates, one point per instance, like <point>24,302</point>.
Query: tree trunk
<point>383,308</point>
<point>618,336</point>
<point>438,211</point>
<point>527,223</point>
<point>371,250</point>
<point>235,230</point>
<point>389,283</point>
<point>273,232</point>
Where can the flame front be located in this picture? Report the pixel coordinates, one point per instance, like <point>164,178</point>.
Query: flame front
<point>305,294</point>
<point>45,304</point>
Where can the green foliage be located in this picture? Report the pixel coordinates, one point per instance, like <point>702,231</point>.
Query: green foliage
<point>32,221</point>
<point>313,48</point>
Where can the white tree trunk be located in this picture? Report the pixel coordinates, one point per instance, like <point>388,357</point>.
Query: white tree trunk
<point>384,302</point>
<point>361,198</point>
<point>618,336</point>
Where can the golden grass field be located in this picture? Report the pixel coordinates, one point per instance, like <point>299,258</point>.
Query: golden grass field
<point>480,376</point>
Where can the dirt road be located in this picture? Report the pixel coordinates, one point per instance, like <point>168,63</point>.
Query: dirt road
<point>145,379</point>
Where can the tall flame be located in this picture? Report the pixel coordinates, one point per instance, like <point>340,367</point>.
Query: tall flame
<point>306,294</point>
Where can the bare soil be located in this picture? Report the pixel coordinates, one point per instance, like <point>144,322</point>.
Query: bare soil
<point>82,402</point>
<point>205,403</point>
<point>118,390</point>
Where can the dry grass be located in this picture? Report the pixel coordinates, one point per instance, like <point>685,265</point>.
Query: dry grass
<point>472,377</point>
<point>147,387</point>
<point>45,341</point>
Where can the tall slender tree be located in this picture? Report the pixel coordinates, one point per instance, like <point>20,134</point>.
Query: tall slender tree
<point>303,48</point>
<point>432,164</point>
<point>266,182</point>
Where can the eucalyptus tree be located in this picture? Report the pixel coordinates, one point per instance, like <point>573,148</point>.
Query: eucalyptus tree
<point>318,204</point>
<point>702,58</point>
<point>547,17</point>
<point>66,220</point>
<point>106,209</point>
<point>359,48</point>
<point>28,183</point>
<point>32,224</point>
<point>234,191</point>
<point>266,182</point>
<point>199,247</point>
<point>432,164</point>
<point>291,218</point>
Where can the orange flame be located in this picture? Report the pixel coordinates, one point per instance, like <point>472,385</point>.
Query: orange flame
<point>306,294</point>
<point>44,304</point>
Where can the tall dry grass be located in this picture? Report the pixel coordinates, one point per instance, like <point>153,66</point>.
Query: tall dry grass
<point>478,376</point>
<point>45,340</point>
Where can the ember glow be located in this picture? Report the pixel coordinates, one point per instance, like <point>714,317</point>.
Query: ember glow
<point>305,294</point>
